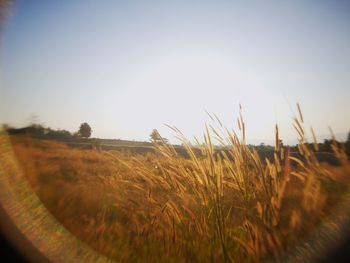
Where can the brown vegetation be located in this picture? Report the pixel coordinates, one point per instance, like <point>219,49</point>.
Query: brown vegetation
<point>161,207</point>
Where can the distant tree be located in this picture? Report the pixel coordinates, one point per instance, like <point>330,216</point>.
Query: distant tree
<point>57,134</point>
<point>36,130</point>
<point>155,137</point>
<point>85,130</point>
<point>262,147</point>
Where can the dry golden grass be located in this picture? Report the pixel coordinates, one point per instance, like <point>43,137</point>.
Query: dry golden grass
<point>162,207</point>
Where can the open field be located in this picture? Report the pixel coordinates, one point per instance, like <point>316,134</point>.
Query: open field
<point>92,172</point>
<point>161,207</point>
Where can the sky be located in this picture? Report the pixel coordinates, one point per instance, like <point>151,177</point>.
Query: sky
<point>126,67</point>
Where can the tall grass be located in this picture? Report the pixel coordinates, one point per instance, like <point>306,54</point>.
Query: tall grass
<point>218,206</point>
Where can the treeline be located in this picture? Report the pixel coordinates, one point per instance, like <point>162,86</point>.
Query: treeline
<point>41,132</point>
<point>325,146</point>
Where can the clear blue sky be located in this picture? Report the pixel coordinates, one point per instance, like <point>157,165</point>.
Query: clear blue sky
<point>128,67</point>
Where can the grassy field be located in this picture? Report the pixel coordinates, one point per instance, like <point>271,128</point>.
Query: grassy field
<point>162,207</point>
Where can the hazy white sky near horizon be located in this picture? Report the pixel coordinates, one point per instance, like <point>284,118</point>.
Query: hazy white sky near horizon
<point>126,68</point>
